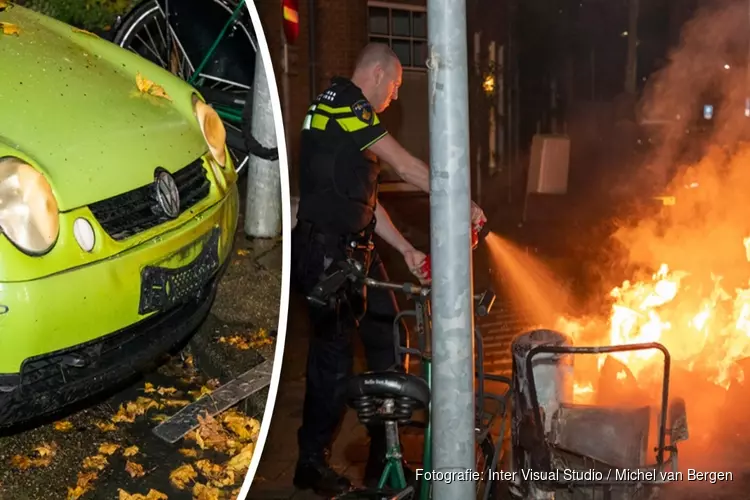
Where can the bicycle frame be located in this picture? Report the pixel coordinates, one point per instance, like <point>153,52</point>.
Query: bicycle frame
<point>226,111</point>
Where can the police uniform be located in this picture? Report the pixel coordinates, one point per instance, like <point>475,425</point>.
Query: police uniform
<point>338,182</point>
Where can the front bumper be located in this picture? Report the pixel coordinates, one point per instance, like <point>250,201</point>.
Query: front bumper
<point>69,335</point>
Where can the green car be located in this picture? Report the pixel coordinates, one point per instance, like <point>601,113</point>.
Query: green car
<point>118,209</point>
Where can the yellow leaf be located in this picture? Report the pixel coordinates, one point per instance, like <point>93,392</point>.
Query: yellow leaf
<point>148,388</point>
<point>108,448</point>
<point>159,417</point>
<point>78,30</point>
<point>148,87</point>
<point>152,495</point>
<point>190,453</point>
<point>242,252</point>
<point>83,485</point>
<point>199,394</point>
<point>95,462</point>
<point>47,450</point>
<point>166,390</point>
<point>241,461</point>
<point>182,475</point>
<point>20,462</point>
<point>9,29</point>
<point>204,492</point>
<point>244,427</point>
<point>142,84</point>
<point>218,475</point>
<point>106,426</point>
<point>130,451</point>
<point>134,469</point>
<point>3,5</point>
<point>63,426</point>
<point>176,402</point>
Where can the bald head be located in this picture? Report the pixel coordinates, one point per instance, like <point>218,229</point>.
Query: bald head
<point>378,73</point>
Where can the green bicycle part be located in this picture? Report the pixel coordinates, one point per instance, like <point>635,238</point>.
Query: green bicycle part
<point>196,74</point>
<point>229,113</point>
<point>393,472</point>
<point>424,491</point>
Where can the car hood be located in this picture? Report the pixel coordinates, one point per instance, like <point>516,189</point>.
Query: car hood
<point>70,106</point>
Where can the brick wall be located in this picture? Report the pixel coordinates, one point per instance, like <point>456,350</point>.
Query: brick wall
<point>341,30</point>
<point>340,33</point>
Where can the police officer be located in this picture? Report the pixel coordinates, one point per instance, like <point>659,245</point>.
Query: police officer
<point>342,137</point>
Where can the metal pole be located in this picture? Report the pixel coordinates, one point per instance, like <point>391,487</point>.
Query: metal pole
<point>450,180</point>
<point>263,207</point>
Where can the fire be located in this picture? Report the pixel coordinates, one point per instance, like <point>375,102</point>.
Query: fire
<point>705,328</point>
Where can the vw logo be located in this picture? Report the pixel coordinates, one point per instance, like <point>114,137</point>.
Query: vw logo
<point>167,194</point>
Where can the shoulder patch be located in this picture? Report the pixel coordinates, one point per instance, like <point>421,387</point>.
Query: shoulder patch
<point>363,110</point>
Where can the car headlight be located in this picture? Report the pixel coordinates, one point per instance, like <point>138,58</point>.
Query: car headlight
<point>28,209</point>
<point>212,128</point>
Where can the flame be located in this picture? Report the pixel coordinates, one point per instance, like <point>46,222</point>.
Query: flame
<point>706,329</point>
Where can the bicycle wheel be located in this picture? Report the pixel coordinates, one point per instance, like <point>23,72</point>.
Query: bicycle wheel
<point>178,35</point>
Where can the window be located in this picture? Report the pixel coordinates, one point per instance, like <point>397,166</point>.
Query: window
<point>404,29</point>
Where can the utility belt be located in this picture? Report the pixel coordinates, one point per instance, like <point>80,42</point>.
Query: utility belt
<point>358,246</point>
<point>354,246</point>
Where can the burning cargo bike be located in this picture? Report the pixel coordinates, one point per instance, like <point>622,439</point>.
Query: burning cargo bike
<point>564,450</point>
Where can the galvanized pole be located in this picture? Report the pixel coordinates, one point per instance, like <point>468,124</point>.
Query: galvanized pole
<point>450,201</point>
<point>263,207</point>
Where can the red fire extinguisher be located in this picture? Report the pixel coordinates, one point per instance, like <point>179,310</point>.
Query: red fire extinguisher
<point>476,230</point>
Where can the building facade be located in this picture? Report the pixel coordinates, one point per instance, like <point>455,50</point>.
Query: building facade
<point>332,32</point>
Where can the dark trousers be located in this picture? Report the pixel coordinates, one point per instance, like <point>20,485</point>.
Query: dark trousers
<point>330,357</point>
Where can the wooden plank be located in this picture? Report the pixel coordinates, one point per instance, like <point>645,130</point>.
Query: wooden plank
<point>226,396</point>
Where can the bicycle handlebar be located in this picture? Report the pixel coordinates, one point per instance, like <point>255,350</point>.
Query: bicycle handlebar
<point>353,271</point>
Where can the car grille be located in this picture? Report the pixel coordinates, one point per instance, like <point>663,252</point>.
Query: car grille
<point>130,213</point>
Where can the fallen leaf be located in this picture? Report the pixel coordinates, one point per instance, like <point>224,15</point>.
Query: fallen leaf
<point>148,388</point>
<point>108,448</point>
<point>204,391</point>
<point>176,402</point>
<point>63,426</point>
<point>188,452</point>
<point>78,30</point>
<point>260,339</point>
<point>47,450</point>
<point>210,434</point>
<point>9,29</point>
<point>129,411</point>
<point>166,390</point>
<point>242,252</point>
<point>148,87</point>
<point>182,475</point>
<point>236,341</point>
<point>21,462</point>
<point>130,451</point>
<point>218,475</point>
<point>152,495</point>
<point>83,485</point>
<point>134,469</point>
<point>205,492</point>
<point>106,426</point>
<point>242,426</point>
<point>3,5</point>
<point>241,461</point>
<point>95,462</point>
<point>159,417</point>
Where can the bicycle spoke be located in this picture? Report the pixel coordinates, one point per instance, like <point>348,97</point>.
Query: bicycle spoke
<point>239,87</point>
<point>152,50</point>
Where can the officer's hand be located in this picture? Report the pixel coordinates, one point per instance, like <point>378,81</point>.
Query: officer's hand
<point>414,260</point>
<point>477,215</point>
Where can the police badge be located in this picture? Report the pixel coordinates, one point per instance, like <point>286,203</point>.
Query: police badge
<point>363,111</point>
